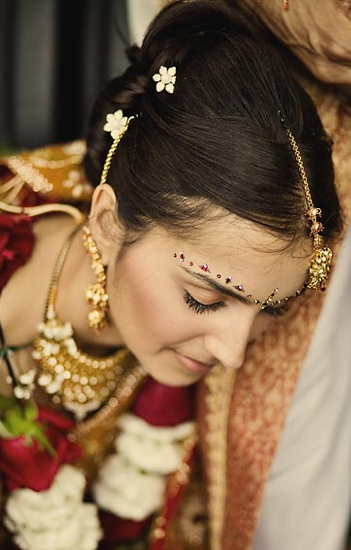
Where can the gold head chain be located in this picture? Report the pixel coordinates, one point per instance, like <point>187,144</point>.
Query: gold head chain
<point>112,150</point>
<point>322,255</point>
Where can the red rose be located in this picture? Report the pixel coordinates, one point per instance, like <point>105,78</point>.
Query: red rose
<point>34,468</point>
<point>16,243</point>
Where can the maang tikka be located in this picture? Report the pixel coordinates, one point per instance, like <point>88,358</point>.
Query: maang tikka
<point>95,293</point>
<point>322,255</point>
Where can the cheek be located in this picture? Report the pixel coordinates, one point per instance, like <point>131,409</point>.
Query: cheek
<point>149,308</point>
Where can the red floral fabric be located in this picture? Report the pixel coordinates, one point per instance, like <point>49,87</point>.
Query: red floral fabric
<point>16,244</point>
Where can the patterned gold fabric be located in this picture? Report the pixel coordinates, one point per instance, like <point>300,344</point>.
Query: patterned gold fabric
<point>53,172</point>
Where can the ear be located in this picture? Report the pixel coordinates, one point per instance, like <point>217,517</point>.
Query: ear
<point>106,232</point>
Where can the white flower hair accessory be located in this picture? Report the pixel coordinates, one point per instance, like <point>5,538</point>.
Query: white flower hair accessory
<point>115,123</point>
<point>165,79</point>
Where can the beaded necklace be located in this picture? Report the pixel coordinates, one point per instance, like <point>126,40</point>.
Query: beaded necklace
<point>78,381</point>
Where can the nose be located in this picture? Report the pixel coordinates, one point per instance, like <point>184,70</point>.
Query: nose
<point>228,345</point>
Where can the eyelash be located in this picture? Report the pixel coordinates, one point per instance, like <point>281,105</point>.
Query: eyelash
<point>275,311</point>
<point>200,308</point>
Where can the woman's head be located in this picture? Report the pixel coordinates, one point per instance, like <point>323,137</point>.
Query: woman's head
<point>210,200</point>
<point>218,141</point>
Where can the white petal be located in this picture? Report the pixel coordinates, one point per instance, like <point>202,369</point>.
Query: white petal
<point>172,71</point>
<point>156,77</point>
<point>162,70</point>
<point>170,88</point>
<point>118,115</point>
<point>160,86</point>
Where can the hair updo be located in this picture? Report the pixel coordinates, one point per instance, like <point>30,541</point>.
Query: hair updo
<point>218,140</point>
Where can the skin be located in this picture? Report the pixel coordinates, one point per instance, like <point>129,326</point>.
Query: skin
<point>147,287</point>
<point>175,341</point>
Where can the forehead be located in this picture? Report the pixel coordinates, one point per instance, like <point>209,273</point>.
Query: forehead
<point>245,252</point>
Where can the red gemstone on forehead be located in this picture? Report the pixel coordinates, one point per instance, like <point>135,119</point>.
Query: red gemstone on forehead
<point>239,287</point>
<point>205,267</point>
<point>228,280</point>
<point>182,257</point>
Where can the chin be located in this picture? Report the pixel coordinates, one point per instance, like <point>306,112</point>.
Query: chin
<point>174,379</point>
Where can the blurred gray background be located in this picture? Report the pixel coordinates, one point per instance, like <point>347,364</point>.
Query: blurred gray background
<point>54,56</point>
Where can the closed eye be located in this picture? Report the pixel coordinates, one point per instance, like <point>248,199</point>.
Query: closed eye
<point>198,307</point>
<point>275,311</point>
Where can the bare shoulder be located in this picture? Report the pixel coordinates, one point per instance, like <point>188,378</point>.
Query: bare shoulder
<point>23,299</point>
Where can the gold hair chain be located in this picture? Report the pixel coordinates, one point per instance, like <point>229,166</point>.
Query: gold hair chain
<point>112,151</point>
<point>322,256</point>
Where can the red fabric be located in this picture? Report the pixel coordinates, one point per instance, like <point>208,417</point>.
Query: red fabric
<point>162,405</point>
<point>33,468</point>
<point>16,244</point>
<point>117,529</point>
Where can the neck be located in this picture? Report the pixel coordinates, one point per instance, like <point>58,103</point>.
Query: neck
<point>71,306</point>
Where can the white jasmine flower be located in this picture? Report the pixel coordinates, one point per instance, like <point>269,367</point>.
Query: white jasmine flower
<point>150,448</point>
<point>137,426</point>
<point>56,518</point>
<point>127,492</point>
<point>149,454</point>
<point>115,123</point>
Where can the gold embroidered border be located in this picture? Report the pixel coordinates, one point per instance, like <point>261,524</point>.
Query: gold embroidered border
<point>220,383</point>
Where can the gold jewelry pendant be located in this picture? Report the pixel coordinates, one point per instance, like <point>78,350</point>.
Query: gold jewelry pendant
<point>96,294</point>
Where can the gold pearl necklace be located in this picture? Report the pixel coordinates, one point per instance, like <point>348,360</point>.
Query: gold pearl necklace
<point>80,382</point>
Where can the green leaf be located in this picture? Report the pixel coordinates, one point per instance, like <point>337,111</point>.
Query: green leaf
<point>31,410</point>
<point>21,421</point>
<point>4,432</point>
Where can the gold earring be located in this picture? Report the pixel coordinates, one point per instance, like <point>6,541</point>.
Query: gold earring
<point>96,294</point>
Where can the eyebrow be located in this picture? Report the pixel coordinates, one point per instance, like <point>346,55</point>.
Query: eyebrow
<point>217,286</point>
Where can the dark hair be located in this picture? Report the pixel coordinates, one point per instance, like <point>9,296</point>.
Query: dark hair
<point>218,140</point>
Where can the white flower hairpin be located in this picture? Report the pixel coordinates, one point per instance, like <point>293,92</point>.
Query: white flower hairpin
<point>165,79</point>
<point>115,123</point>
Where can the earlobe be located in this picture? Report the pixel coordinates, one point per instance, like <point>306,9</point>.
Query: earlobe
<point>102,221</point>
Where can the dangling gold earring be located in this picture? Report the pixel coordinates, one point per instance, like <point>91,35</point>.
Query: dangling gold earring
<point>95,294</point>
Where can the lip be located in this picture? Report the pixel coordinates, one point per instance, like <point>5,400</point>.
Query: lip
<point>192,365</point>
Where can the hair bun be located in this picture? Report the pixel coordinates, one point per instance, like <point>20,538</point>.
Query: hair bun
<point>184,26</point>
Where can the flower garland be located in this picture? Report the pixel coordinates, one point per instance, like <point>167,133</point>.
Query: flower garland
<point>132,481</point>
<point>46,506</point>
<point>56,518</point>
